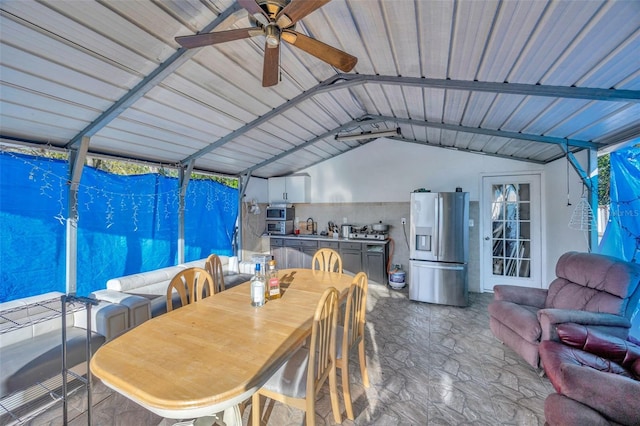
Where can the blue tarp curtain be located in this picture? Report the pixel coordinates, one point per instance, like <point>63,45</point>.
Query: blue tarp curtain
<point>127,224</point>
<point>622,235</point>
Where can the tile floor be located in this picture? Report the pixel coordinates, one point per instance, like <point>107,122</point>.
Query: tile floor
<point>428,365</point>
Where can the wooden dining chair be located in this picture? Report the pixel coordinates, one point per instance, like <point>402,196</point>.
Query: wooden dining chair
<point>192,284</point>
<point>350,335</point>
<point>213,265</point>
<point>326,259</point>
<point>298,381</point>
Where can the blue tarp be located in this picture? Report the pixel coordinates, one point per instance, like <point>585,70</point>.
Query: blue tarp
<point>127,224</point>
<point>622,235</point>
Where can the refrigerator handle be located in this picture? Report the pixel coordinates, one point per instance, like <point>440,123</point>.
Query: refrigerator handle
<point>436,226</point>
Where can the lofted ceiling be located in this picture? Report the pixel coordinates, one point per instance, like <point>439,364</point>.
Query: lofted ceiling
<point>522,79</point>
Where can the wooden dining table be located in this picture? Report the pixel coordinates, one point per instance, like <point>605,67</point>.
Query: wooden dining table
<point>209,356</point>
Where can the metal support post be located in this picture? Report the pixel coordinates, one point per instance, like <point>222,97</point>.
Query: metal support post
<point>88,302</point>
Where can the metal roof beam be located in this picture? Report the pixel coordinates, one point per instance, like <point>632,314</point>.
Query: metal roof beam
<point>589,93</point>
<point>453,148</point>
<point>344,81</point>
<point>169,66</point>
<point>490,132</point>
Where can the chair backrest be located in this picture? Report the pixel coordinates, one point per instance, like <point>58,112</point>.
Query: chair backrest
<point>192,284</point>
<point>213,265</point>
<point>322,349</point>
<point>596,283</point>
<point>327,259</point>
<point>355,313</point>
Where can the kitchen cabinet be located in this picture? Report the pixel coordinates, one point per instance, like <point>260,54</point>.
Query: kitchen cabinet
<point>329,244</point>
<point>278,251</point>
<point>374,259</point>
<point>351,253</point>
<point>290,189</point>
<point>299,252</point>
<point>368,256</point>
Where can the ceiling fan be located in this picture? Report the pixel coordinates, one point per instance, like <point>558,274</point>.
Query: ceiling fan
<point>276,20</point>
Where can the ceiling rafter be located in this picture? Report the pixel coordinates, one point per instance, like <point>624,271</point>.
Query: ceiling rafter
<point>490,132</point>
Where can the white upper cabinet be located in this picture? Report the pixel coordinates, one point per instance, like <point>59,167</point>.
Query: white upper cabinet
<point>290,189</point>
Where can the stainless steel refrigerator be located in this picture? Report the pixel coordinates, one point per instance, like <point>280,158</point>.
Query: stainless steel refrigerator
<point>439,247</point>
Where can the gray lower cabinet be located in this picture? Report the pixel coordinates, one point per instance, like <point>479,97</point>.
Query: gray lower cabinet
<point>351,253</point>
<point>299,252</point>
<point>279,252</point>
<point>375,261</point>
<point>356,256</point>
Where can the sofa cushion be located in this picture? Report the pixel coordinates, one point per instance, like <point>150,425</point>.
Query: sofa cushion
<point>132,283</point>
<point>37,359</point>
<point>602,344</point>
<point>594,283</point>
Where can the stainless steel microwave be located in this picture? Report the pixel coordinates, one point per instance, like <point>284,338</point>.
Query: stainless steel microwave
<point>279,227</point>
<point>280,213</point>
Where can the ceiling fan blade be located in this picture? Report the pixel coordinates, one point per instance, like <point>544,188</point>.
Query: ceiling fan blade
<point>336,57</point>
<point>271,66</point>
<point>252,7</point>
<point>207,39</point>
<point>296,10</point>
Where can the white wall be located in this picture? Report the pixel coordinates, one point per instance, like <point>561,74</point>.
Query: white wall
<point>387,171</point>
<point>561,238</point>
<point>258,190</point>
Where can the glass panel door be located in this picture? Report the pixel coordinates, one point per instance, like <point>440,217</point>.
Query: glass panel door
<point>511,231</point>
<point>511,224</point>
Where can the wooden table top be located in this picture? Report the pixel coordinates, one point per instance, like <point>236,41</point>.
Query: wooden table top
<point>203,357</point>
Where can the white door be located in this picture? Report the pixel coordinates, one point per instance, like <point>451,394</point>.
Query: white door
<point>511,231</point>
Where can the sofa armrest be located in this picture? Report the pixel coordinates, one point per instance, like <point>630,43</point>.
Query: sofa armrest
<point>613,395</point>
<point>520,295</point>
<point>107,319</point>
<point>549,318</point>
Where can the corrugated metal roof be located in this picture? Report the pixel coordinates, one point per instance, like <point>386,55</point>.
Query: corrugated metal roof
<point>521,79</point>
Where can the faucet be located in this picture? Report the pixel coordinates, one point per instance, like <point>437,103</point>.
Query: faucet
<point>310,225</point>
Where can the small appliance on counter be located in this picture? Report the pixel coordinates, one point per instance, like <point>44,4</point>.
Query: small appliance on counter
<point>280,218</point>
<point>377,231</point>
<point>345,231</point>
<point>279,227</point>
<point>280,212</point>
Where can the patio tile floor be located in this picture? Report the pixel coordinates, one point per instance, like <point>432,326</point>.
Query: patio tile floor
<point>428,365</point>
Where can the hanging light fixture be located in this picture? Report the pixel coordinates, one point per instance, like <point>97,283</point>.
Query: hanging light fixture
<point>582,218</point>
<point>370,135</point>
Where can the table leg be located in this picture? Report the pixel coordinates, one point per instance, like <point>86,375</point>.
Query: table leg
<point>229,417</point>
<point>232,416</point>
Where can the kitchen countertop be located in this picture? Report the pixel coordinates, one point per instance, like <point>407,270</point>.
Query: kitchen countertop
<point>327,238</point>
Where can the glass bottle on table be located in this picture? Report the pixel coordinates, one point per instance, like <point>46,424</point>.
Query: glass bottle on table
<point>273,282</point>
<point>258,285</point>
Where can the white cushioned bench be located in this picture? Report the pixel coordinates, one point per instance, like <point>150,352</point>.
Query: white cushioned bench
<point>153,285</point>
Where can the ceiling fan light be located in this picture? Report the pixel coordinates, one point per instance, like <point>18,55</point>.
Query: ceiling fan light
<point>272,33</point>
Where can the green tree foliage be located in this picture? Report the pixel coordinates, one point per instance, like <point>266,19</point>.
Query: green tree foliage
<point>604,180</point>
<point>128,168</point>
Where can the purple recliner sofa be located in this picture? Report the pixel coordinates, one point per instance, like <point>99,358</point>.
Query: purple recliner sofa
<point>596,377</point>
<point>590,289</point>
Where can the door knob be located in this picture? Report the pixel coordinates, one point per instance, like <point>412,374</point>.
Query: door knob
<point>487,238</point>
